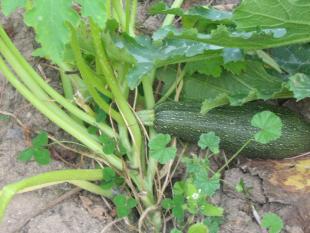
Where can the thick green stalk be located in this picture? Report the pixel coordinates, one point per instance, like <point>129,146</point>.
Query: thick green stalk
<point>27,69</point>
<point>169,18</point>
<point>123,105</point>
<point>66,85</point>
<point>133,15</point>
<point>147,83</point>
<point>127,15</point>
<point>108,8</point>
<point>33,86</point>
<point>118,7</point>
<point>72,127</point>
<point>74,176</point>
<point>86,73</point>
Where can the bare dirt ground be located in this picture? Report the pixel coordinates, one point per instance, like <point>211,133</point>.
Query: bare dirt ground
<point>59,209</point>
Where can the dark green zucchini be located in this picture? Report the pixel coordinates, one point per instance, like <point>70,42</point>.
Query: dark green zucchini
<point>233,126</point>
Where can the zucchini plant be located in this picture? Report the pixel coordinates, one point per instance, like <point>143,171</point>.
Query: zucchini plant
<point>113,77</point>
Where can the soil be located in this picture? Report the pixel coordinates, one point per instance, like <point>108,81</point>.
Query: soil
<point>59,209</point>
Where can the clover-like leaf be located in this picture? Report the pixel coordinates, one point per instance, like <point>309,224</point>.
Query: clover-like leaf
<point>213,224</point>
<point>211,210</point>
<point>211,141</point>
<point>198,228</point>
<point>175,230</point>
<point>40,140</point>
<point>124,205</point>
<point>110,178</point>
<point>108,144</point>
<point>26,155</point>
<point>270,126</point>
<point>272,222</point>
<point>42,156</point>
<point>159,150</point>
<point>176,204</point>
<point>207,185</point>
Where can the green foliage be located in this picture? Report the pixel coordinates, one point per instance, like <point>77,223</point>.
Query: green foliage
<point>211,210</point>
<point>300,85</point>
<point>199,171</point>
<point>108,144</point>
<point>96,10</point>
<point>8,6</point>
<point>293,59</point>
<point>211,55</point>
<point>198,228</point>
<point>211,141</point>
<point>272,222</point>
<point>159,150</point>
<point>194,14</point>
<point>149,56</point>
<point>213,224</point>
<point>124,205</point>
<point>37,150</point>
<point>110,179</point>
<point>232,89</point>
<point>48,19</point>
<point>240,187</point>
<point>259,25</point>
<point>177,206</point>
<point>174,230</point>
<point>270,126</point>
<point>4,117</point>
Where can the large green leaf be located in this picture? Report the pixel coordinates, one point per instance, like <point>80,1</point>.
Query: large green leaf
<point>96,9</point>
<point>150,55</point>
<point>254,83</point>
<point>293,59</point>
<point>300,85</point>
<point>48,18</point>
<point>195,13</point>
<point>258,24</point>
<point>8,6</point>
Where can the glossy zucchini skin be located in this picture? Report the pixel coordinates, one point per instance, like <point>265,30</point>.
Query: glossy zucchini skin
<point>233,126</point>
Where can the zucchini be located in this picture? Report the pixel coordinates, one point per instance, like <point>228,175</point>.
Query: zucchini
<point>232,125</point>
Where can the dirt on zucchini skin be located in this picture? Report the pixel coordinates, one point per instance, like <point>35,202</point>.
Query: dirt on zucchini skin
<point>233,126</point>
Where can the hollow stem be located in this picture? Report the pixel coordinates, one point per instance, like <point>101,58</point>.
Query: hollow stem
<point>121,101</point>
<point>169,18</point>
<point>71,127</point>
<point>32,75</point>
<point>76,177</point>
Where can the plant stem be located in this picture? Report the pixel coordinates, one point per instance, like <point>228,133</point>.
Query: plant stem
<point>169,18</point>
<point>132,24</point>
<point>75,176</point>
<point>234,156</point>
<point>127,15</point>
<point>71,127</point>
<point>86,73</point>
<point>118,7</point>
<point>108,8</point>
<point>147,83</point>
<point>123,105</point>
<point>172,88</point>
<point>26,68</point>
<point>66,85</point>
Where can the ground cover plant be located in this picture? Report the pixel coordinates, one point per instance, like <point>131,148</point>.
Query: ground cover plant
<point>116,80</point>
